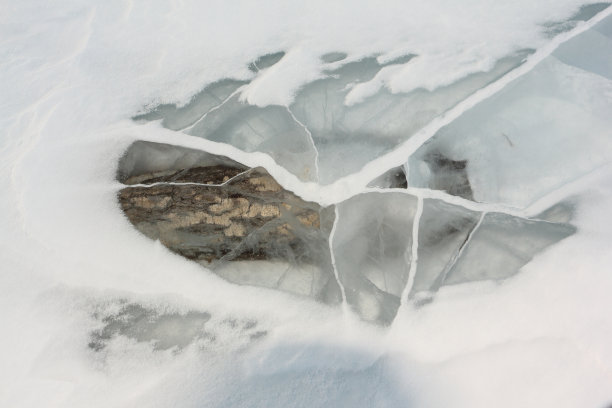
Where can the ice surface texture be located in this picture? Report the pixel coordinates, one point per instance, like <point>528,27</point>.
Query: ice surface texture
<point>542,131</point>
<point>372,249</point>
<point>248,229</point>
<point>344,111</point>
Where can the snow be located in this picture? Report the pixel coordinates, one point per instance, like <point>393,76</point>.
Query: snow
<point>74,73</point>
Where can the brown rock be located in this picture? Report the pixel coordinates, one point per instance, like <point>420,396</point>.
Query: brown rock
<point>242,215</point>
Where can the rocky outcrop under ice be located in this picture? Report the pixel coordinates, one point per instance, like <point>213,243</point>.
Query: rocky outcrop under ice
<point>215,210</point>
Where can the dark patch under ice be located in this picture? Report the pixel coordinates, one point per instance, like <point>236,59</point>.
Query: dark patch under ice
<point>215,211</point>
<point>179,118</point>
<point>449,175</point>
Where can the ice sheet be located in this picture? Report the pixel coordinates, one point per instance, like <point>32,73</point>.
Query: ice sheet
<point>543,130</point>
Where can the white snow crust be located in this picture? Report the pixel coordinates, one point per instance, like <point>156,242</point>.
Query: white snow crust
<point>73,73</point>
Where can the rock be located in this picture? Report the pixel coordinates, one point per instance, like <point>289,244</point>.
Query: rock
<point>220,211</point>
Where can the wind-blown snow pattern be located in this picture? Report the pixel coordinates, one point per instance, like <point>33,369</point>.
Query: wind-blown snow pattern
<point>498,113</point>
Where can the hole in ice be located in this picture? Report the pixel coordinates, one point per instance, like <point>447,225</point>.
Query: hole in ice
<point>545,129</point>
<point>225,216</point>
<point>247,229</point>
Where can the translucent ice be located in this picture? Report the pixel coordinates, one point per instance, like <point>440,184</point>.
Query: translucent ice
<point>542,131</point>
<point>393,178</point>
<point>372,247</point>
<point>443,232</point>
<point>179,118</point>
<point>345,111</point>
<point>342,117</point>
<point>271,130</point>
<point>217,212</point>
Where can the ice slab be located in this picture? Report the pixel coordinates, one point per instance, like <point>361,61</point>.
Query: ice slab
<point>270,129</point>
<point>590,51</point>
<point>345,119</point>
<point>501,245</point>
<point>443,231</point>
<point>304,279</point>
<point>543,130</point>
<point>457,245</point>
<point>241,224</point>
<point>216,113</point>
<point>372,248</point>
<point>219,213</point>
<point>142,159</point>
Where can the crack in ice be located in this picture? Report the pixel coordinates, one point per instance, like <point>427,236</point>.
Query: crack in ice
<point>333,260</point>
<point>414,258</point>
<point>457,255</point>
<point>214,108</point>
<point>400,154</point>
<point>314,147</point>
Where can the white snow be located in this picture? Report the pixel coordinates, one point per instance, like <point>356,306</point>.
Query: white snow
<point>73,73</point>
